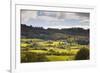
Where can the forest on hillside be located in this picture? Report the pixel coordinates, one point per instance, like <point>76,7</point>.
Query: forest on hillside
<point>51,33</point>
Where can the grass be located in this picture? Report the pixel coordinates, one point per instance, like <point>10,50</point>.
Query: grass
<point>53,51</point>
<point>38,51</point>
<point>60,58</point>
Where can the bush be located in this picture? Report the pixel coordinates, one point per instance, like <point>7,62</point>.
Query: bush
<point>83,42</point>
<point>83,54</point>
<point>32,57</point>
<point>51,51</point>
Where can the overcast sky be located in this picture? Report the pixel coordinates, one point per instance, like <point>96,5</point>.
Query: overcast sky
<point>53,19</point>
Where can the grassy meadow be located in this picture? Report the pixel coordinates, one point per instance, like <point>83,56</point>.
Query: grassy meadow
<point>39,50</point>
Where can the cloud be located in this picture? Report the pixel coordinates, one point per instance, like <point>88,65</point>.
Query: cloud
<point>27,14</point>
<point>53,19</point>
<point>83,18</point>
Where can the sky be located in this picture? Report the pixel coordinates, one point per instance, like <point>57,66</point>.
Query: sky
<point>54,19</point>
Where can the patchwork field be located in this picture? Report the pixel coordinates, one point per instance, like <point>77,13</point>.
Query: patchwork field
<point>38,50</point>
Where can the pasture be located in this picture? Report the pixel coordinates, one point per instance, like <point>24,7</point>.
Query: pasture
<point>38,50</point>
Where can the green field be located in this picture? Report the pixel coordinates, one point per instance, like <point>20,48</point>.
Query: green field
<point>37,50</point>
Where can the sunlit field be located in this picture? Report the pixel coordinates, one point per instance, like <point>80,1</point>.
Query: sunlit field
<point>38,50</point>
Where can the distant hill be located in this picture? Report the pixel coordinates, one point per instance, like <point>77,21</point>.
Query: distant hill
<point>51,33</point>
